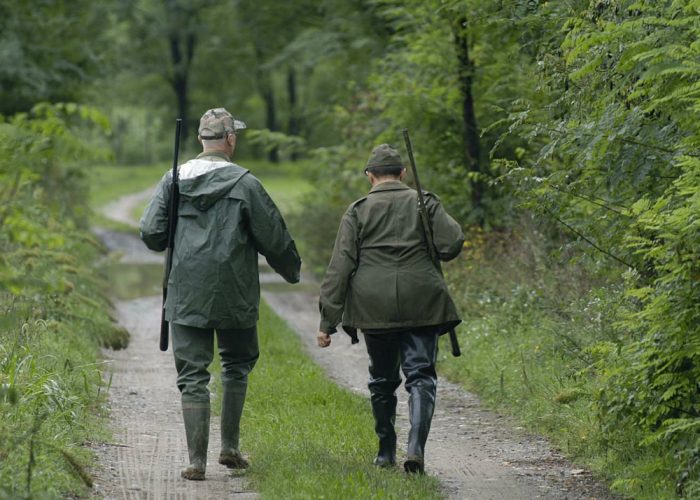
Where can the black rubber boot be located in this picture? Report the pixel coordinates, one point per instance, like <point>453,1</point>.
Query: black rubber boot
<point>196,417</point>
<point>231,411</point>
<point>421,404</point>
<point>384,410</point>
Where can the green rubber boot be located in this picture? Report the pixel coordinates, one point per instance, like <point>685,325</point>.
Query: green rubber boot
<point>231,411</point>
<point>196,417</point>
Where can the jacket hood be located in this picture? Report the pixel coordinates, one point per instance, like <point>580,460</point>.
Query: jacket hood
<point>205,181</point>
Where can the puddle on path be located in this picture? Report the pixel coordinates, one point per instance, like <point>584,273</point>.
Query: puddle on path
<point>132,281</point>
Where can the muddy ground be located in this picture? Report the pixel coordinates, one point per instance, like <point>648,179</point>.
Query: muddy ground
<point>475,453</point>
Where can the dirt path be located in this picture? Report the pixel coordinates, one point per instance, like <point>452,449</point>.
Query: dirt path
<point>149,448</point>
<point>475,453</point>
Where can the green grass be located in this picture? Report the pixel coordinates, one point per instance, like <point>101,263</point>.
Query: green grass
<point>109,182</point>
<point>51,407</point>
<point>285,182</point>
<point>308,438</point>
<point>51,390</point>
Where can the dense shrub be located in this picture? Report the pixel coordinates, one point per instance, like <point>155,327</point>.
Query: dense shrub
<point>53,315</point>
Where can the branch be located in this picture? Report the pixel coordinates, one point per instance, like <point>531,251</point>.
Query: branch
<point>628,140</point>
<point>587,240</point>
<point>591,200</point>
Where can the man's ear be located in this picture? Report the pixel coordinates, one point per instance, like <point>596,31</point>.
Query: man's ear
<point>402,174</point>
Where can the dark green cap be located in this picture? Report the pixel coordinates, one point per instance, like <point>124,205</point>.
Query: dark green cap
<point>384,156</point>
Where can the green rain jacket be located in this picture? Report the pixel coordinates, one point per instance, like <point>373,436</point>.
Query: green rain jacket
<point>225,219</point>
<point>380,276</point>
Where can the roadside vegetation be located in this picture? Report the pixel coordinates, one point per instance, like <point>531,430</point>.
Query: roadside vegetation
<point>54,312</point>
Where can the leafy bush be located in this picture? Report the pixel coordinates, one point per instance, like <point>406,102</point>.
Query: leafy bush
<point>618,170</point>
<point>53,313</point>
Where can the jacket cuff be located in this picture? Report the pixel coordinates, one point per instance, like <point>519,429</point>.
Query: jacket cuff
<point>327,328</point>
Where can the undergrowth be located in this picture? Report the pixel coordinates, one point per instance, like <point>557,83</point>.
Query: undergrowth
<point>540,341</point>
<point>53,315</point>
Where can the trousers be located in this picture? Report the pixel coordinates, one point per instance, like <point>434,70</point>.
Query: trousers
<point>193,349</point>
<point>412,351</point>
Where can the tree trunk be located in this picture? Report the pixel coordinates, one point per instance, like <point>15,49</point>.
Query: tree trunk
<point>293,124</point>
<point>265,87</point>
<point>270,119</point>
<point>181,61</point>
<point>472,146</point>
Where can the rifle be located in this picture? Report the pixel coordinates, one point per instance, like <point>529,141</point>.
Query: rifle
<point>172,226</point>
<point>427,230</point>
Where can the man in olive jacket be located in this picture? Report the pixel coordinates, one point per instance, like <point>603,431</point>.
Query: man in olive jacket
<point>225,219</point>
<point>382,280</point>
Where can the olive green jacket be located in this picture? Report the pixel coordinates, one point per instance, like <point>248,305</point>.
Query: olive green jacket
<point>380,275</point>
<point>225,218</point>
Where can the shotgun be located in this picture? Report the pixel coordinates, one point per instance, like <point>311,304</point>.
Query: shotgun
<point>172,226</point>
<point>427,230</point>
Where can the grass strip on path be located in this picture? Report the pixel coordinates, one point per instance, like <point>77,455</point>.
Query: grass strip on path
<point>308,438</point>
<point>285,182</point>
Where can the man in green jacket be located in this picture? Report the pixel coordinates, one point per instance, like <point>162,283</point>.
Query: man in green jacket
<point>225,219</point>
<point>381,280</point>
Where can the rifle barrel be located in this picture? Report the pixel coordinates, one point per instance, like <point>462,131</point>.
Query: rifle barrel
<point>172,226</point>
<point>454,342</point>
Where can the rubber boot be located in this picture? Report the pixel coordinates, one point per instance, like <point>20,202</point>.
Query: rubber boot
<point>231,411</point>
<point>384,410</point>
<point>196,417</point>
<point>421,404</point>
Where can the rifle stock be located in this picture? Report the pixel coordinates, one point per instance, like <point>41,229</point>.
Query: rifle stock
<point>172,226</point>
<point>454,343</point>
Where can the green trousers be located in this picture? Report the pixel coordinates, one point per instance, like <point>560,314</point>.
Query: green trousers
<point>194,351</point>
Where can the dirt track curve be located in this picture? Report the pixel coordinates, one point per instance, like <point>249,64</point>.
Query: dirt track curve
<point>475,453</point>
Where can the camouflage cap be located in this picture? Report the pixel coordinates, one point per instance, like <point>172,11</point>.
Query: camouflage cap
<point>384,156</point>
<point>216,123</point>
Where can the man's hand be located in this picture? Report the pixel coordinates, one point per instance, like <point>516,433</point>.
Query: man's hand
<point>323,339</point>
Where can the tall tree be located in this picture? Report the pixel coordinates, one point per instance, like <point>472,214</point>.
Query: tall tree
<point>472,146</point>
<point>50,50</point>
<point>270,25</point>
<point>167,30</point>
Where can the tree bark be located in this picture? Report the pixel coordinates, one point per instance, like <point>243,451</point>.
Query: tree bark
<point>472,146</point>
<point>268,95</point>
<point>293,124</point>
<point>181,61</point>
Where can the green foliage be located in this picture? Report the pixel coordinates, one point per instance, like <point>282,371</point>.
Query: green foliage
<point>53,312</point>
<point>618,169</point>
<point>44,55</point>
<point>337,181</point>
<point>287,145</point>
<point>539,339</point>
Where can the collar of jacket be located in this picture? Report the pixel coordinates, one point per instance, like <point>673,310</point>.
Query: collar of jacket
<point>389,186</point>
<point>214,155</point>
